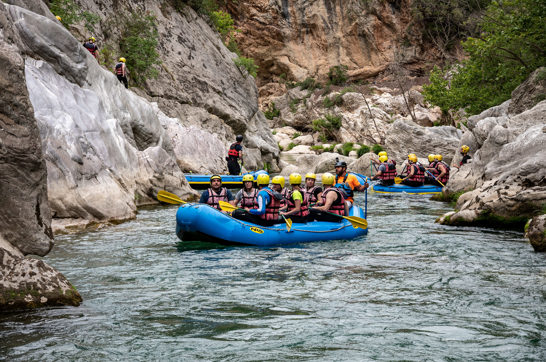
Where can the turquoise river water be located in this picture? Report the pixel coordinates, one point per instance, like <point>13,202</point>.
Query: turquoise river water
<point>409,290</point>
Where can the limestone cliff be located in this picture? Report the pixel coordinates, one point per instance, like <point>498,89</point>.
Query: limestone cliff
<point>506,180</point>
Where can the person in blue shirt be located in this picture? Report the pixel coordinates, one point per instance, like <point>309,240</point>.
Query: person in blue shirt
<point>269,203</point>
<point>215,193</point>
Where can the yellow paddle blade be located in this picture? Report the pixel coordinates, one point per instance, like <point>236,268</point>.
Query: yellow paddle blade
<point>226,206</point>
<point>397,180</point>
<point>357,222</point>
<point>167,197</point>
<point>288,223</point>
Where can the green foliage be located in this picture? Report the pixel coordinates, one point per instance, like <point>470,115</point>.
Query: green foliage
<point>107,57</point>
<point>280,148</point>
<point>327,126</point>
<point>223,23</point>
<point>511,45</point>
<point>330,149</point>
<point>294,104</point>
<point>290,146</point>
<point>362,150</point>
<point>323,138</point>
<point>337,75</point>
<point>201,6</point>
<point>272,111</point>
<point>336,100</point>
<point>138,44</point>
<point>296,135</point>
<point>308,83</point>
<point>71,13</point>
<point>445,22</point>
<point>317,148</point>
<point>377,148</point>
<point>346,148</point>
<point>248,64</point>
<point>449,197</point>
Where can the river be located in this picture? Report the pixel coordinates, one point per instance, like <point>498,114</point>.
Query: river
<point>409,290</point>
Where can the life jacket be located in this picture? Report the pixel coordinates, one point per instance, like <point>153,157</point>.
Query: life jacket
<point>233,153</point>
<point>271,209</point>
<point>310,194</point>
<point>433,165</point>
<point>343,187</point>
<point>445,177</point>
<point>304,207</point>
<point>214,198</point>
<point>91,47</point>
<point>119,68</point>
<point>284,193</point>
<point>250,199</point>
<point>389,173</point>
<point>338,207</point>
<point>418,174</point>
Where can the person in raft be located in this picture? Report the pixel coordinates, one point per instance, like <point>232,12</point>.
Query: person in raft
<point>269,203</point>
<point>386,171</point>
<point>442,171</point>
<point>215,193</point>
<point>347,182</point>
<point>429,180</point>
<point>297,205</point>
<point>332,202</point>
<point>312,191</point>
<point>415,172</point>
<point>247,197</point>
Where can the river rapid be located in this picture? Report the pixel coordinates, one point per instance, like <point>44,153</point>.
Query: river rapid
<point>409,290</point>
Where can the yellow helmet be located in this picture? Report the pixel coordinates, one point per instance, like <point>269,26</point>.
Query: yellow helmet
<point>383,158</point>
<point>279,180</point>
<point>465,148</point>
<point>58,18</point>
<point>382,153</point>
<point>328,178</point>
<point>215,177</point>
<point>92,39</point>
<point>431,157</point>
<point>262,179</point>
<point>439,157</point>
<point>412,157</point>
<point>310,175</point>
<point>294,179</point>
<point>248,177</point>
<point>122,60</point>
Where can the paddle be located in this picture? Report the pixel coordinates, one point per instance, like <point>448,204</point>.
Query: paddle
<point>226,206</point>
<point>430,173</point>
<point>397,180</point>
<point>169,198</point>
<point>356,221</point>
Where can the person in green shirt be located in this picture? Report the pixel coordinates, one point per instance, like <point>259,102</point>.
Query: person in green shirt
<point>297,205</point>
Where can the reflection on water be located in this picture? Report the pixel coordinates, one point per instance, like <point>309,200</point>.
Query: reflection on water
<point>409,290</point>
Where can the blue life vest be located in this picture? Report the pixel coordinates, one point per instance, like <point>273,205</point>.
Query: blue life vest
<point>344,188</point>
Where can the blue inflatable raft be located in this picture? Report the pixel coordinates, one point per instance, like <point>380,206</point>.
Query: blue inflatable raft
<point>420,190</point>
<point>204,223</point>
<point>200,181</point>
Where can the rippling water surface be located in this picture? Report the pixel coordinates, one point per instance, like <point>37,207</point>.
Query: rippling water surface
<point>411,290</point>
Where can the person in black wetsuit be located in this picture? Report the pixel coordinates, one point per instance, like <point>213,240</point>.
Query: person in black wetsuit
<point>235,153</point>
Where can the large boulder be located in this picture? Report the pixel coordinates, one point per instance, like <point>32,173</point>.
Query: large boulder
<point>506,179</point>
<point>536,232</point>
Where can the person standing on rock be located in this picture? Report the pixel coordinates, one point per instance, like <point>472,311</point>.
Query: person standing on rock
<point>347,182</point>
<point>121,72</point>
<point>386,172</point>
<point>312,191</point>
<point>215,193</point>
<point>466,156</point>
<point>92,47</point>
<point>416,172</point>
<point>235,153</point>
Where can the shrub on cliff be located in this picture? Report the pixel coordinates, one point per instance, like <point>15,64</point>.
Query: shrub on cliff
<point>138,45</point>
<point>511,45</point>
<point>71,13</point>
<point>327,126</point>
<point>337,75</point>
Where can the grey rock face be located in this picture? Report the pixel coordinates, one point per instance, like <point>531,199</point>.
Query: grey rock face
<point>507,174</point>
<point>25,219</point>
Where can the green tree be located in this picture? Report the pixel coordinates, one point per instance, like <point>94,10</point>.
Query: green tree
<point>512,44</point>
<point>138,45</point>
